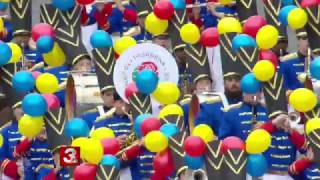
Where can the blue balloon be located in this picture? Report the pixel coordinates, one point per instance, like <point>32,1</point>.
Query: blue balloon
<point>76,128</point>
<point>6,53</point>
<point>63,5</point>
<point>243,40</point>
<point>249,84</point>
<point>100,39</point>
<point>137,123</point>
<point>286,2</point>
<point>194,163</point>
<point>147,81</point>
<point>34,105</point>
<point>109,160</point>
<point>23,81</point>
<point>45,44</point>
<point>169,129</point>
<point>284,12</point>
<point>3,5</point>
<point>257,165</point>
<point>178,4</point>
<point>315,68</point>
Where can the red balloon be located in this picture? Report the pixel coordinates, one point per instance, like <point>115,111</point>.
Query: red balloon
<point>110,146</point>
<point>209,37</point>
<point>232,142</point>
<point>150,124</point>
<point>163,9</point>
<point>85,2</point>
<point>130,90</point>
<point>253,24</point>
<point>42,29</point>
<point>157,176</point>
<point>309,3</point>
<point>269,55</point>
<point>52,100</point>
<point>163,162</point>
<point>85,171</point>
<point>194,146</point>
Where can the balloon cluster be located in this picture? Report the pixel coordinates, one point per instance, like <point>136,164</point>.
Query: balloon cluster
<point>10,52</point>
<point>293,16</point>
<point>305,104</point>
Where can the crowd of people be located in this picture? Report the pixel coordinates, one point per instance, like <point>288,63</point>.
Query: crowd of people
<point>226,95</point>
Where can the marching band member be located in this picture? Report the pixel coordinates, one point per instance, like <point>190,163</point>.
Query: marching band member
<point>7,34</point>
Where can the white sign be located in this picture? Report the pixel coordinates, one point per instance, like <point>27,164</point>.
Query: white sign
<point>144,56</point>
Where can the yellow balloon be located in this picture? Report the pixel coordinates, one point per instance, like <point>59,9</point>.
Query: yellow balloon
<point>16,52</point>
<point>267,37</point>
<point>1,25</point>
<point>297,18</point>
<point>258,141</point>
<point>190,33</point>
<point>1,140</point>
<point>5,1</point>
<point>204,132</point>
<point>229,25</point>
<point>47,83</point>
<point>80,142</point>
<point>124,43</point>
<point>156,141</point>
<point>154,25</point>
<point>102,133</point>
<point>92,151</point>
<point>225,2</point>
<point>55,57</point>
<point>263,70</point>
<point>30,126</point>
<point>166,93</point>
<point>303,100</point>
<point>171,109</point>
<point>312,125</point>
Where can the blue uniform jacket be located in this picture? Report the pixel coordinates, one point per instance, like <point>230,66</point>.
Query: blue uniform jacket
<point>11,137</point>
<point>144,36</point>
<point>311,173</point>
<point>118,23</point>
<point>119,124</point>
<point>143,168</point>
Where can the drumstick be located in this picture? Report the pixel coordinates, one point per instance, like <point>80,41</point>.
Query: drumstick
<point>205,4</point>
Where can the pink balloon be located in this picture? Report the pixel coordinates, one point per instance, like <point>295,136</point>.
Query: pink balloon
<point>36,74</point>
<point>131,89</point>
<point>42,29</point>
<point>52,101</point>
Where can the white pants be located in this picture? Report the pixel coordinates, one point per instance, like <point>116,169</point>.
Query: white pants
<point>276,177</point>
<point>125,174</point>
<point>4,177</point>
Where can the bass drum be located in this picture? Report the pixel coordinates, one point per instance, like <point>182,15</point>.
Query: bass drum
<point>83,92</point>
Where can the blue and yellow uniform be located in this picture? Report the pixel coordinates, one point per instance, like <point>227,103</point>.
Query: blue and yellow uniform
<point>143,169</point>
<point>7,34</point>
<point>11,137</point>
<point>311,173</point>
<point>210,20</point>
<point>143,36</point>
<point>91,115</point>
<point>45,170</point>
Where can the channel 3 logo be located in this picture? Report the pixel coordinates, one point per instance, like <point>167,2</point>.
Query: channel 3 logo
<point>69,156</point>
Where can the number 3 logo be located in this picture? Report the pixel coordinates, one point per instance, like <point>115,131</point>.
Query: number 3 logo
<point>69,156</point>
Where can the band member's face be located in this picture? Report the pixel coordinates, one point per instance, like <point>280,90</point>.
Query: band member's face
<point>120,106</point>
<point>303,45</point>
<point>164,42</point>
<point>42,136</point>
<point>107,98</point>
<point>181,56</point>
<point>18,113</point>
<point>232,85</point>
<point>203,85</point>
<point>83,65</point>
<point>22,40</point>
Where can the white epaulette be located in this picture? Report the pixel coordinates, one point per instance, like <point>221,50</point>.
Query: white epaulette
<point>289,57</point>
<point>232,106</point>
<point>107,115</point>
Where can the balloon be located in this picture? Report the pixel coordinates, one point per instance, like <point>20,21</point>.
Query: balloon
<point>150,124</point>
<point>297,18</point>
<point>243,40</point>
<point>76,128</point>
<point>253,24</point>
<point>194,163</point>
<point>63,5</point>
<point>284,12</point>
<point>163,162</point>
<point>101,39</point>
<point>55,57</point>
<point>110,146</point>
<point>1,25</point>
<point>171,109</point>
<point>52,101</point>
<point>156,141</point>
<point>190,33</point>
<point>169,130</point>
<point>312,125</point>
<point>138,122</point>
<point>178,4</point>
<point>1,140</point>
<point>258,141</point>
<point>85,2</point>
<point>109,160</point>
<point>45,44</point>
<point>232,142</point>
<point>263,70</point>
<point>249,84</point>
<point>269,55</point>
<point>267,37</point>
<point>131,89</point>
<point>34,105</point>
<point>3,6</point>
<point>286,2</point>
<point>229,25</point>
<point>257,165</point>
<point>6,53</point>
<point>209,37</point>
<point>147,81</point>
<point>16,52</point>
<point>42,29</point>
<point>47,83</point>
<point>166,93</point>
<point>124,43</point>
<point>93,151</point>
<point>102,133</point>
<point>163,9</point>
<point>35,74</point>
<point>225,2</point>
<point>305,104</point>
<point>315,68</point>
<point>80,142</point>
<point>204,132</point>
<point>154,25</point>
<point>308,3</point>
<point>85,171</point>
<point>23,81</point>
<point>194,146</point>
<point>30,126</point>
